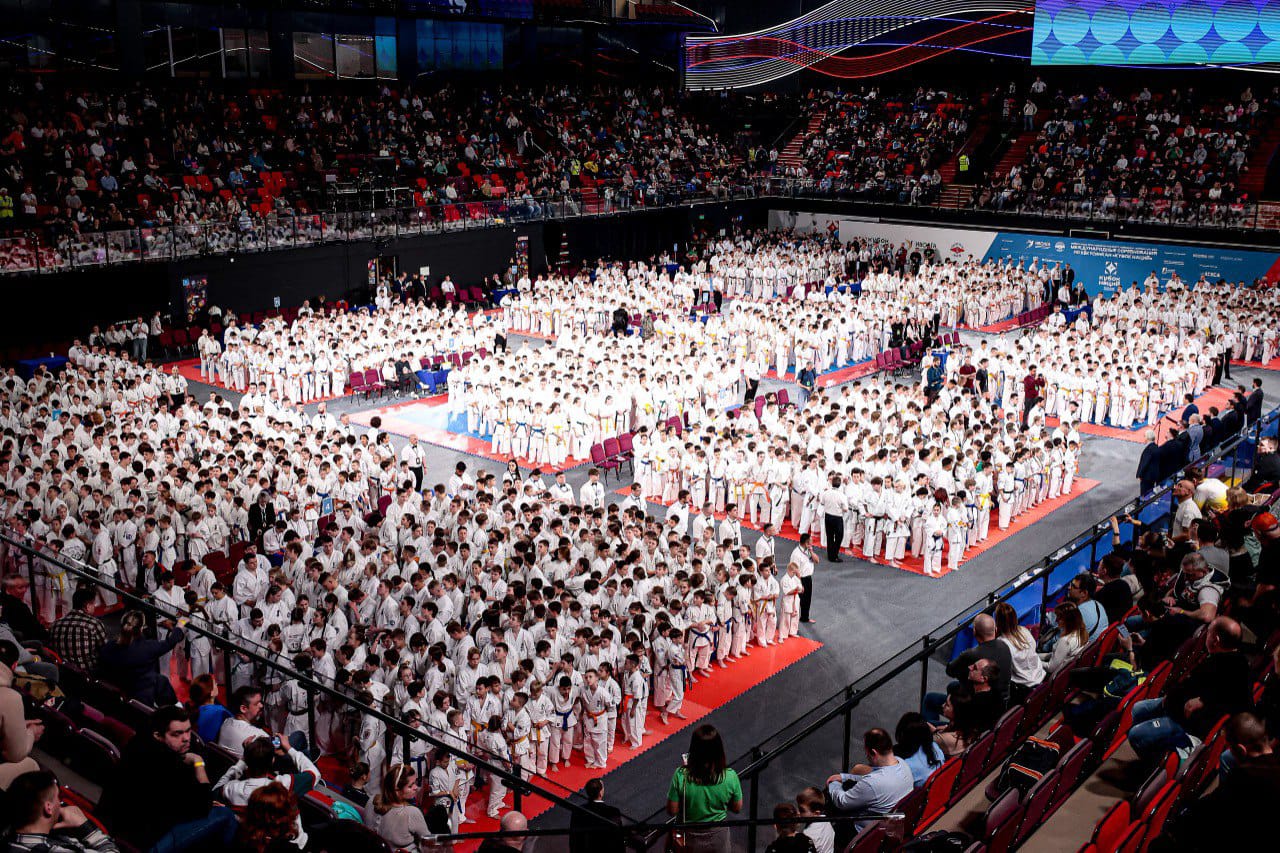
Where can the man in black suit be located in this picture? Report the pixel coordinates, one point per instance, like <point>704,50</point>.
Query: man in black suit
<point>1266,466</point>
<point>262,516</point>
<point>603,832</point>
<point>1253,405</point>
<point>1149,464</point>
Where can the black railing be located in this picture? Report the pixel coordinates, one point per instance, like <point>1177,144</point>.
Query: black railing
<point>899,683</point>
<point>808,741</point>
<point>37,252</point>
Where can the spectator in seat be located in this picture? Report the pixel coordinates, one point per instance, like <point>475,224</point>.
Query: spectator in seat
<point>17,734</point>
<point>790,839</point>
<point>1117,590</point>
<point>79,636</point>
<point>132,661</point>
<point>162,800</point>
<point>1219,685</point>
<point>987,646</point>
<point>42,824</point>
<point>1028,670</point>
<point>1080,591</point>
<point>870,789</point>
<point>812,802</point>
<point>257,770</point>
<point>269,822</point>
<point>916,746</point>
<point>400,822</point>
<point>1233,814</point>
<point>17,614</point>
<point>239,730</point>
<point>207,712</point>
<point>1072,637</point>
<point>1266,467</point>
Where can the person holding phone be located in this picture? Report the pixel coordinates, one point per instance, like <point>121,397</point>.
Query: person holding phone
<point>257,769</point>
<point>704,790</point>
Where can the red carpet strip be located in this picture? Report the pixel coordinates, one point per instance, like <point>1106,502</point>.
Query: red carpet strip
<point>701,699</point>
<point>915,565</point>
<point>1216,396</point>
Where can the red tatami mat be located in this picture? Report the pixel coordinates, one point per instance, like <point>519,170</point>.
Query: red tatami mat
<point>1216,396</point>
<point>914,564</point>
<point>420,418</point>
<point>701,699</point>
<point>835,377</point>
<point>1273,364</point>
<point>190,370</point>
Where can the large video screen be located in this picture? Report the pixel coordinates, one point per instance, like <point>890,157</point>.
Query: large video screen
<point>1155,32</point>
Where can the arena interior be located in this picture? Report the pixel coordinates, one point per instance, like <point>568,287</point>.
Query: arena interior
<point>602,425</point>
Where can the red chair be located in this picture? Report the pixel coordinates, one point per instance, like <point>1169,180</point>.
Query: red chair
<point>784,399</point>
<point>383,503</point>
<point>626,450</point>
<point>601,460</point>
<point>973,762</point>
<point>356,383</point>
<point>1003,818</point>
<point>613,450</point>
<point>1111,829</point>
<point>939,788</point>
<point>373,382</point>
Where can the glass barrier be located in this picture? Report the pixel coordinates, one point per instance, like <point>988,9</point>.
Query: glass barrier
<point>19,254</point>
<point>280,230</point>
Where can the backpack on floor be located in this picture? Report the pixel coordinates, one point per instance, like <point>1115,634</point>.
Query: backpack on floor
<point>1028,763</point>
<point>940,841</point>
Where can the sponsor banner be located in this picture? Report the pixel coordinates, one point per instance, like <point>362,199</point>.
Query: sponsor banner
<point>1108,265</point>
<point>1103,265</point>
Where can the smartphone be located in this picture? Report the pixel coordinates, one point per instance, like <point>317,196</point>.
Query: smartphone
<point>684,759</point>
<point>275,742</point>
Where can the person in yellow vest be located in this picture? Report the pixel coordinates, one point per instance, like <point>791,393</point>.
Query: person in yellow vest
<point>963,162</point>
<point>6,204</point>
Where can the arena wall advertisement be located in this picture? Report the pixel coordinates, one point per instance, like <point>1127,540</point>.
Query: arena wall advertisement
<point>1103,265</point>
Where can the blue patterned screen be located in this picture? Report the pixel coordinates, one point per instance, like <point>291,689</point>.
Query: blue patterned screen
<point>1155,32</point>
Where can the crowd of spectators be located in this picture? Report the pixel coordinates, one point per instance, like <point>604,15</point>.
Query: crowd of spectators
<point>1171,155</point>
<point>882,146</point>
<point>75,158</point>
<point>1211,582</point>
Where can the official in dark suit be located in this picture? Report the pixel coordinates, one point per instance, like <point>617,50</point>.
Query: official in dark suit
<point>262,516</point>
<point>1149,464</point>
<point>1266,466</point>
<point>1253,405</point>
<point>601,833</point>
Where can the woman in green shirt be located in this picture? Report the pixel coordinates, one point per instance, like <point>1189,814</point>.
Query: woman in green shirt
<point>705,791</point>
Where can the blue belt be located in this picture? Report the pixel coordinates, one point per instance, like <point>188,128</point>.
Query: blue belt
<point>564,718</point>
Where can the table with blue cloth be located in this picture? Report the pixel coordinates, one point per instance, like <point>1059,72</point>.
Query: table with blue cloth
<point>1070,314</point>
<point>27,367</point>
<point>499,295</point>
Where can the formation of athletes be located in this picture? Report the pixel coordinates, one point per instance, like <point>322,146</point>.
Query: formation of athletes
<point>540,625</point>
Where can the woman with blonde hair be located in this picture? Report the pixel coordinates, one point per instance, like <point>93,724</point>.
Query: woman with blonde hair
<point>1072,637</point>
<point>400,822</point>
<point>1028,669</point>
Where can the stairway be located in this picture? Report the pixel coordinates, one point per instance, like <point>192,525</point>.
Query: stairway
<point>1016,152</point>
<point>792,154</point>
<point>955,196</point>
<point>1269,215</point>
<point>1254,180</point>
<point>951,168</point>
<point>591,201</point>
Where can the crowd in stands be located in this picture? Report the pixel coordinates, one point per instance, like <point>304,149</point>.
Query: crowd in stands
<point>1200,600</point>
<point>880,146</point>
<point>1171,155</point>
<point>75,158</point>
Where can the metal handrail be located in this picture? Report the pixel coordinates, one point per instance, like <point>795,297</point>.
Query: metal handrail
<point>520,783</point>
<point>278,231</point>
<point>757,759</point>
